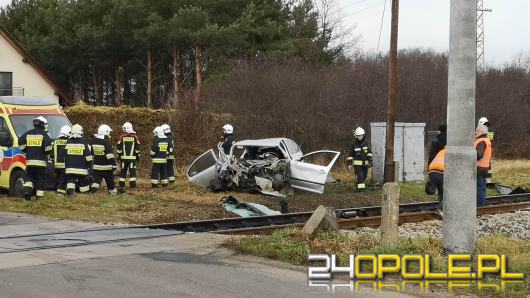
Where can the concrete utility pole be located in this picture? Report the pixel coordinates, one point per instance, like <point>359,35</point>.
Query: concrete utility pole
<point>389,175</point>
<point>460,183</point>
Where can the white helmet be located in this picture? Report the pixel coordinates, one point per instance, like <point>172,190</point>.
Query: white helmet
<point>103,130</point>
<point>127,127</point>
<point>40,122</point>
<point>359,131</point>
<point>166,128</point>
<point>159,132</point>
<point>77,131</point>
<point>228,128</point>
<point>65,131</point>
<point>484,121</point>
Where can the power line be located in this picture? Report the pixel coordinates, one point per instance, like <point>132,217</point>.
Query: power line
<point>381,28</point>
<point>366,8</point>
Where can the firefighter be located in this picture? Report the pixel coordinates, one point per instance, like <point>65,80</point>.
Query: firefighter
<point>128,151</point>
<point>360,157</point>
<point>227,139</point>
<point>78,162</point>
<point>170,167</point>
<point>159,151</point>
<point>104,160</point>
<point>58,156</point>
<point>36,144</point>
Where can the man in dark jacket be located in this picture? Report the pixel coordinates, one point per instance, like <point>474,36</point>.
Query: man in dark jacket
<point>58,156</point>
<point>104,160</point>
<point>78,162</point>
<point>439,143</point>
<point>360,156</point>
<point>37,145</point>
<point>228,138</point>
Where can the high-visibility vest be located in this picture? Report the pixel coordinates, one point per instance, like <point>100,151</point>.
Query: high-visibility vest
<point>438,163</point>
<point>485,162</point>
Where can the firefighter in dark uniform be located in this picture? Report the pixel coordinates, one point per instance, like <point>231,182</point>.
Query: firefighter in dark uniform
<point>104,160</point>
<point>128,151</point>
<point>360,157</point>
<point>37,144</point>
<point>227,140</point>
<point>78,162</point>
<point>159,151</point>
<point>170,155</point>
<point>58,156</point>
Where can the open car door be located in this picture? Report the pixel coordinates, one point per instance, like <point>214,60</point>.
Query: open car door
<point>309,176</point>
<point>203,169</point>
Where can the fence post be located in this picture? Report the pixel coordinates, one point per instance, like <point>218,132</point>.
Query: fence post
<point>390,214</point>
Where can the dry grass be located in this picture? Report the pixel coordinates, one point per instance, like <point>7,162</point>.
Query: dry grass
<point>290,246</point>
<point>185,201</point>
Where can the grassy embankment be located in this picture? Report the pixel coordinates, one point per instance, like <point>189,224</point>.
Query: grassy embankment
<point>185,201</point>
<point>291,247</point>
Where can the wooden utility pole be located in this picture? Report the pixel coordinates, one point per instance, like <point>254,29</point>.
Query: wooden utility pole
<point>392,96</point>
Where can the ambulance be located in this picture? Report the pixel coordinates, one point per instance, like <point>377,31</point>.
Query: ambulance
<point>16,118</point>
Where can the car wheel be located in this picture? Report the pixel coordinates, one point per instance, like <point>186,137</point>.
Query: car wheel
<point>16,183</point>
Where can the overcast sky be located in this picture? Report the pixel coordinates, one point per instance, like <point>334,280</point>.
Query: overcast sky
<point>425,23</point>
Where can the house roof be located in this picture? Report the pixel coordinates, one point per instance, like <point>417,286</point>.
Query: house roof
<point>27,58</point>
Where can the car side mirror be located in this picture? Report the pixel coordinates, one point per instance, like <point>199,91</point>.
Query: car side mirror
<point>5,139</point>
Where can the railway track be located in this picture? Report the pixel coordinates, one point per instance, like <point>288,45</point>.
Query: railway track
<point>347,219</point>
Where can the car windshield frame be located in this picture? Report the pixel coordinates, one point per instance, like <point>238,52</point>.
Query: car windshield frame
<point>22,123</point>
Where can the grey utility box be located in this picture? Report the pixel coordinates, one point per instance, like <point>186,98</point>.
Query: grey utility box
<point>409,150</point>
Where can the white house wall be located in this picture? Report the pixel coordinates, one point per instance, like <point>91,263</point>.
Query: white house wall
<point>24,75</point>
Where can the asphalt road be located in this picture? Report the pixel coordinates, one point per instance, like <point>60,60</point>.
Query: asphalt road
<point>186,265</point>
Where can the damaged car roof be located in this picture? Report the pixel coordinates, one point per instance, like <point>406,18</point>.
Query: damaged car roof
<point>271,142</point>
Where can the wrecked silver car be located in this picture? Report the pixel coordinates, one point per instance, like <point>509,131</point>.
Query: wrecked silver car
<point>270,166</point>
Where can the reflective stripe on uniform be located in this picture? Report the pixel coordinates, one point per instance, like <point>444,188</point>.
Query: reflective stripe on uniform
<point>165,181</point>
<point>70,186</point>
<point>132,178</point>
<point>126,157</point>
<point>95,185</point>
<point>110,155</point>
<point>89,158</point>
<point>121,179</point>
<point>361,186</point>
<point>102,168</point>
<point>171,157</point>
<point>61,191</point>
<point>84,188</point>
<point>36,163</point>
<point>357,162</point>
<point>369,154</point>
<point>154,181</point>
<point>357,149</point>
<point>172,178</point>
<point>40,193</point>
<point>28,184</point>
<point>159,160</point>
<point>59,165</point>
<point>76,171</point>
<point>152,152</point>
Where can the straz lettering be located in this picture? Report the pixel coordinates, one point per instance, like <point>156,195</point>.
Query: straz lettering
<point>128,139</point>
<point>76,151</point>
<point>34,141</point>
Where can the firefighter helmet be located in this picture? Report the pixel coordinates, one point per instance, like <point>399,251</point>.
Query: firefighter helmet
<point>77,131</point>
<point>228,129</point>
<point>159,132</point>
<point>40,122</point>
<point>65,131</point>
<point>166,128</point>
<point>127,127</point>
<point>104,130</point>
<point>359,131</point>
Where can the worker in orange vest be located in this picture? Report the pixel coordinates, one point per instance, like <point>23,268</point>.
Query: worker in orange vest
<point>436,175</point>
<point>484,153</point>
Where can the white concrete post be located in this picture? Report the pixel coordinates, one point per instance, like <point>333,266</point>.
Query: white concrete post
<point>460,186</point>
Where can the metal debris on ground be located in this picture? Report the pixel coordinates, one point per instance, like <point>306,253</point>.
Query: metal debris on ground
<point>245,209</point>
